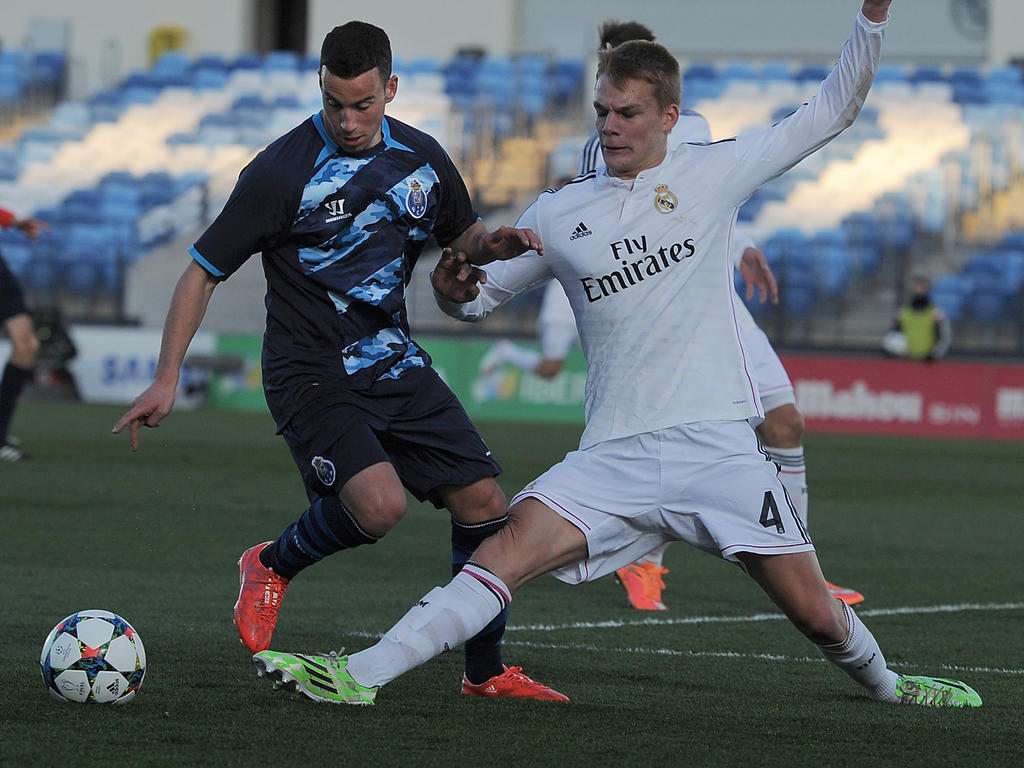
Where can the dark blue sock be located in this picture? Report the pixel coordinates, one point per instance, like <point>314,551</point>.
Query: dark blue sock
<point>13,381</point>
<point>326,527</point>
<point>483,650</point>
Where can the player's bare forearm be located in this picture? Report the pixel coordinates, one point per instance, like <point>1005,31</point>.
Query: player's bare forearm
<point>876,10</point>
<point>188,306</point>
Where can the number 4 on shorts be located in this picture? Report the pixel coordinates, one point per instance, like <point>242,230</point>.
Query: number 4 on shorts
<point>770,513</point>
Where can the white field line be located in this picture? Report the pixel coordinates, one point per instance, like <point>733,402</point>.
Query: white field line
<point>757,617</point>
<point>656,621</point>
<point>752,618</point>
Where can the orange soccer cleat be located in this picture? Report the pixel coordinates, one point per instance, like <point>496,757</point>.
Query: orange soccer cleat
<point>259,599</point>
<point>512,684</point>
<point>643,583</point>
<point>848,596</point>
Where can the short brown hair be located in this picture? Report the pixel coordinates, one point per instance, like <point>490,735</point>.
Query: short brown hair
<point>613,33</point>
<point>643,60</point>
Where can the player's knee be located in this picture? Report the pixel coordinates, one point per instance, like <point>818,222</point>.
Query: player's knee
<point>477,503</point>
<point>822,625</point>
<point>379,513</point>
<point>494,504</point>
<point>24,348</point>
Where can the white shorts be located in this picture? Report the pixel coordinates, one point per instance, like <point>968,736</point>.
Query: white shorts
<point>773,384</point>
<point>707,483</point>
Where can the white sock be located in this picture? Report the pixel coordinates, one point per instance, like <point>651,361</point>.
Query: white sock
<point>443,619</point>
<point>793,476</point>
<point>655,555</point>
<point>860,657</point>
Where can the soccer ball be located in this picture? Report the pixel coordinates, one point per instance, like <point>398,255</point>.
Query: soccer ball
<point>93,656</point>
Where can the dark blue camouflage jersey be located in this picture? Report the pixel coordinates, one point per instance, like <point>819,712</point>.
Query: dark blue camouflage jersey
<point>339,235</point>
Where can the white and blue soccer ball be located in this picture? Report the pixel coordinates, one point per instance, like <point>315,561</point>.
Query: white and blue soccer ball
<point>93,656</point>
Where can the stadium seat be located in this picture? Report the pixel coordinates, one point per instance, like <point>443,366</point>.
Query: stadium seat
<point>281,61</point>
<point>950,292</point>
<point>987,306</point>
<point>928,74</point>
<point>775,70</point>
<point>798,295</point>
<point>811,73</point>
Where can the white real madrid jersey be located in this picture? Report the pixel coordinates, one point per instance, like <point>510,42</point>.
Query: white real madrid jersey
<point>645,264</point>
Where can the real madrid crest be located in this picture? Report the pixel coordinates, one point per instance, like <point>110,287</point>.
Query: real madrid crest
<point>416,200</point>
<point>664,200</point>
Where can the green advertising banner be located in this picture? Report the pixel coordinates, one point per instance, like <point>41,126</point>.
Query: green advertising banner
<point>504,392</point>
<point>240,388</point>
<point>487,389</point>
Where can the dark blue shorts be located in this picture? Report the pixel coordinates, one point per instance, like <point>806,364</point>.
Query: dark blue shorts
<point>416,423</point>
<point>12,302</point>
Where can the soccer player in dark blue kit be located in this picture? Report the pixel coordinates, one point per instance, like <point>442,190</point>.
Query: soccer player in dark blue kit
<point>341,208</point>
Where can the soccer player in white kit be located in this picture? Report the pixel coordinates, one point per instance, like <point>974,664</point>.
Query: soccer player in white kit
<point>781,431</point>
<point>668,451</point>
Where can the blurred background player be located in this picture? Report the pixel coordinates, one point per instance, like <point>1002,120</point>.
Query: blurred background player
<point>24,343</point>
<point>556,331</point>
<point>920,330</point>
<point>781,432</point>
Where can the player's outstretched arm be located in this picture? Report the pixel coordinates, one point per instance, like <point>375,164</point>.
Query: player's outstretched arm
<point>188,306</point>
<point>876,10</point>
<point>31,227</point>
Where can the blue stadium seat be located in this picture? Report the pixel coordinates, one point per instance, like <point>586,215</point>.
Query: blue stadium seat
<point>281,61</point>
<point>890,72</point>
<point>209,78</point>
<point>739,70</point>
<point>798,295</point>
<point>776,70</point>
<point>704,70</point>
<point>987,306</point>
<point>246,61</point>
<point>928,74</point>
<point>811,73</point>
<point>950,292</point>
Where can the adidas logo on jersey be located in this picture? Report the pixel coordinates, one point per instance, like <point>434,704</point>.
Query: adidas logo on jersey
<point>581,231</point>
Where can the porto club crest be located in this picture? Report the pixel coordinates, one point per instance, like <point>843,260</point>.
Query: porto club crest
<point>324,470</point>
<point>416,200</point>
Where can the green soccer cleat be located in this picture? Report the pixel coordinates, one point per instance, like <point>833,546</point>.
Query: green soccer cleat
<point>935,692</point>
<point>320,678</point>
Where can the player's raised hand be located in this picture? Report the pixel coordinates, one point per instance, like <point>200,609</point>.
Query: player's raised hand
<point>455,279</point>
<point>148,410</point>
<point>508,242</point>
<point>757,274</point>
<point>876,10</point>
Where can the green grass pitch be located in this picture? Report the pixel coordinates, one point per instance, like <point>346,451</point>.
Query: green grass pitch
<point>931,532</point>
